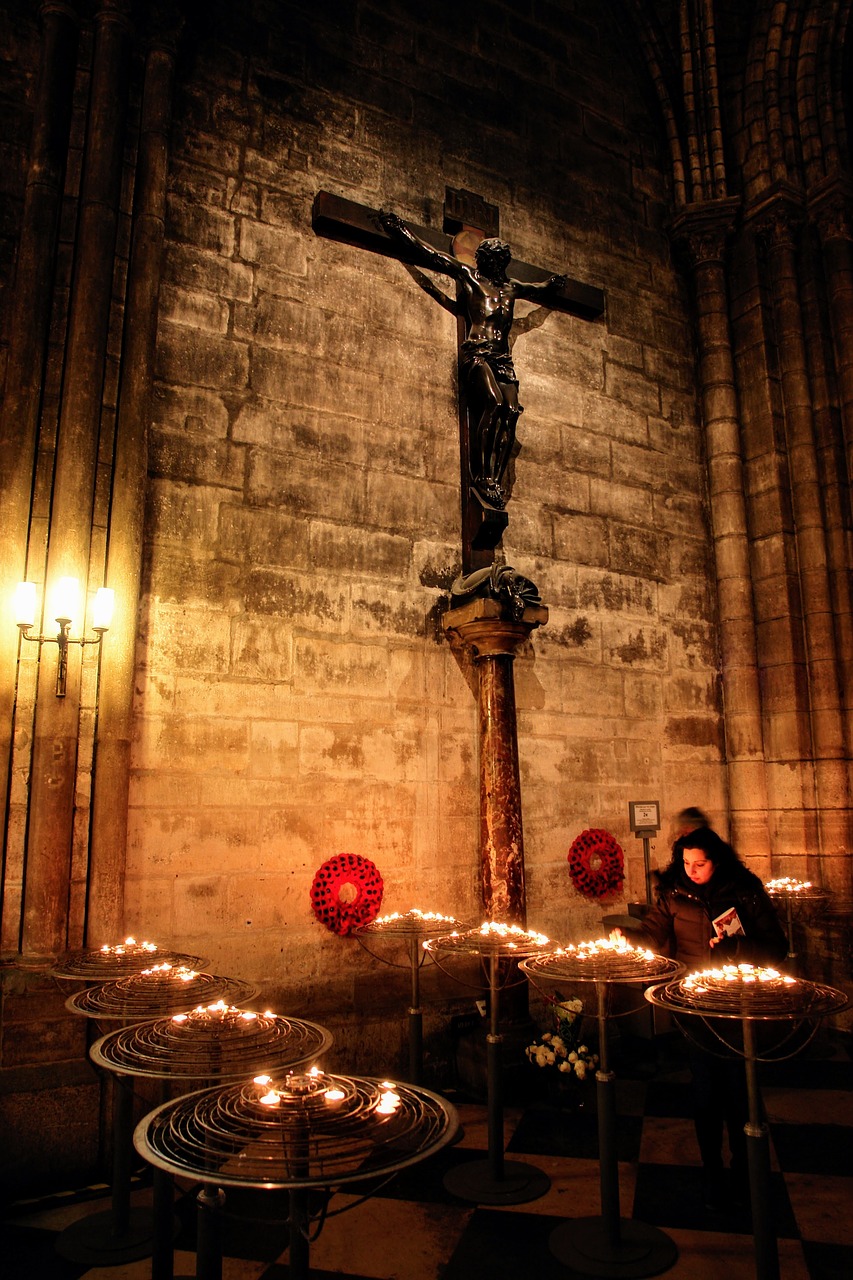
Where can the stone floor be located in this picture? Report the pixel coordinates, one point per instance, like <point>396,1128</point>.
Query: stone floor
<point>414,1229</point>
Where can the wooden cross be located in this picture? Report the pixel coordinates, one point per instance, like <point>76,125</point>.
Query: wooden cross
<point>468,221</point>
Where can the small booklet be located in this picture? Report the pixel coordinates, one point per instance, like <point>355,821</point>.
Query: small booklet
<point>728,925</point>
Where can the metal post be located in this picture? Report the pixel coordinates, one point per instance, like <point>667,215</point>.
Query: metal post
<point>758,1157</point>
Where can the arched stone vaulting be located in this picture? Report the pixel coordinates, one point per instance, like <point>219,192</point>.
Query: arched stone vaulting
<point>781,107</point>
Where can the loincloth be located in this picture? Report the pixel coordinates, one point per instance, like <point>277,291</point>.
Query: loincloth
<point>481,352</point>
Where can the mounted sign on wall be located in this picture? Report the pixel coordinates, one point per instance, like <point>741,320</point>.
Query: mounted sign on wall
<point>644,817</point>
<point>644,820</point>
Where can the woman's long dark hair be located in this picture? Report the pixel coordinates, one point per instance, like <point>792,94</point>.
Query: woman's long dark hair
<point>714,848</point>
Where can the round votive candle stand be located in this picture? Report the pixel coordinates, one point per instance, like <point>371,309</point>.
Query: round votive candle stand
<point>123,1234</point>
<point>606,1245</point>
<point>112,961</point>
<point>211,1042</point>
<point>793,893</point>
<point>303,1132</point>
<point>749,994</point>
<point>495,1180</point>
<point>411,928</point>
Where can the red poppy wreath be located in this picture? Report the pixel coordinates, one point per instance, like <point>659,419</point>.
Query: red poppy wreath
<point>346,893</point>
<point>596,864</point>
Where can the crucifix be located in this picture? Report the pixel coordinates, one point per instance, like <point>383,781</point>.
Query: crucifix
<point>488,282</point>
<point>493,609</point>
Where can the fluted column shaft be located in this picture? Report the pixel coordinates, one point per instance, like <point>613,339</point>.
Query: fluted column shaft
<point>46,893</point>
<point>779,224</point>
<point>702,231</point>
<point>28,337</point>
<point>108,836</point>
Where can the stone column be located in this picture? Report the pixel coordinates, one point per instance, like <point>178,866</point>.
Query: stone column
<point>54,762</point>
<point>815,725</point>
<point>28,337</point>
<point>702,231</point>
<point>830,207</point>
<point>493,638</point>
<point>111,780</point>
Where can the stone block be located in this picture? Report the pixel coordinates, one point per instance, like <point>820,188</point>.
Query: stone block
<point>601,590</point>
<point>299,485</point>
<point>277,375</point>
<point>262,537</point>
<point>581,539</point>
<point>574,635</point>
<point>184,513</point>
<point>633,550</point>
<point>641,647</point>
<point>401,503</point>
<point>261,650</point>
<point>381,554</point>
<point>189,639</point>
<point>273,749</point>
<point>385,611</point>
<point>200,461</point>
<point>211,744</point>
<point>203,227</point>
<point>191,268</point>
<point>302,600</point>
<point>322,666</point>
<point>201,907</point>
<point>189,408</point>
<point>260,242</point>
<point>188,357</point>
<point>605,416</point>
<point>627,503</point>
<point>195,309</point>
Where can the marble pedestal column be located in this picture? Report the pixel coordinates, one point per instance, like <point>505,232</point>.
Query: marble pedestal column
<point>492,637</point>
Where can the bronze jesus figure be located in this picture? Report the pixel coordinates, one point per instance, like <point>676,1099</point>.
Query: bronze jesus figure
<point>486,301</point>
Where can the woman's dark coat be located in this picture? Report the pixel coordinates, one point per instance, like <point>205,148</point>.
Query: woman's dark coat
<point>680,924</point>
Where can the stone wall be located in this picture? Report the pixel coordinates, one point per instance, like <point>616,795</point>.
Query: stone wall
<point>296,695</point>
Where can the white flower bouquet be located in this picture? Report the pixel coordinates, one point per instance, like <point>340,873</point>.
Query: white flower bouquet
<point>562,1049</point>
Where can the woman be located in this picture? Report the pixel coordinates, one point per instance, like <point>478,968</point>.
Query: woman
<point>712,910</point>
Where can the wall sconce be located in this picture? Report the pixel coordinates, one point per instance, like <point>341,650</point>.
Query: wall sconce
<point>65,604</point>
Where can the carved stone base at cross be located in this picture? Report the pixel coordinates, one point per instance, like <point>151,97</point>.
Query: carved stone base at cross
<point>492,640</point>
<point>468,220</point>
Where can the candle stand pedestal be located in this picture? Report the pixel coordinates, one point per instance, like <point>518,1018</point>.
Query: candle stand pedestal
<point>220,1043</point>
<point>748,996</point>
<point>495,1180</point>
<point>793,895</point>
<point>411,928</point>
<point>123,1234</point>
<point>306,1134</point>
<point>606,1245</point>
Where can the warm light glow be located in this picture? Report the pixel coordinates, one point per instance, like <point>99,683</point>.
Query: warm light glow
<point>102,613</point>
<point>734,974</point>
<point>334,1097</point>
<point>129,946</point>
<point>65,600</point>
<point>429,917</point>
<point>262,1080</point>
<point>510,933</point>
<point>24,604</point>
<point>270,1099</point>
<point>787,884</point>
<point>616,944</point>
<point>165,970</point>
<point>389,1101</point>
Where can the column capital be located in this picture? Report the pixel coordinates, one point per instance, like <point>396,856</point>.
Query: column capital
<point>778,214</point>
<point>830,207</point>
<point>485,627</point>
<point>701,231</point>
